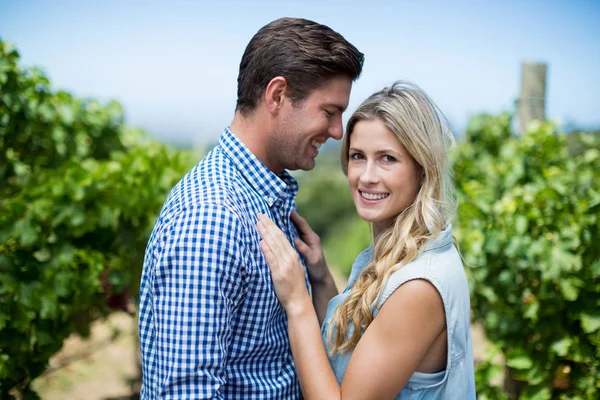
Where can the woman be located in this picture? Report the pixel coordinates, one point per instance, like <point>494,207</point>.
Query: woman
<point>400,329</point>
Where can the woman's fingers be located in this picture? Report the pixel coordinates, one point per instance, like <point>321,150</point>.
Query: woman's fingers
<point>268,245</point>
<point>277,242</point>
<point>282,260</point>
<point>269,255</point>
<point>275,237</point>
<point>268,234</point>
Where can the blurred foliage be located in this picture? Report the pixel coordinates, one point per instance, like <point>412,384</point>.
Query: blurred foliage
<point>346,240</point>
<point>79,193</point>
<point>578,142</point>
<point>529,220</point>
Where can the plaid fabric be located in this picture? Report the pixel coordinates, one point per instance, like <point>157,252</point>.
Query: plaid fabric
<point>210,324</point>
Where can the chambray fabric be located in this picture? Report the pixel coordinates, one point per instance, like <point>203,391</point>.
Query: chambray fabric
<point>210,324</point>
<point>441,265</point>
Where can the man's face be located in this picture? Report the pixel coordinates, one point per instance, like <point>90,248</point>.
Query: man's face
<point>302,128</point>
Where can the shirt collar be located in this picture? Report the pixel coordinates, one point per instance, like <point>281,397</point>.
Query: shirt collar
<point>443,239</point>
<point>263,181</point>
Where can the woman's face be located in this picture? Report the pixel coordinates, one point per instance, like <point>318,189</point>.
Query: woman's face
<point>384,179</point>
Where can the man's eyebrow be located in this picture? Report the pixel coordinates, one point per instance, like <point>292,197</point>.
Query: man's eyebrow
<point>340,108</point>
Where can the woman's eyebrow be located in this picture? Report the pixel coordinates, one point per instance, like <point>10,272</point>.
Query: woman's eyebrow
<point>388,150</point>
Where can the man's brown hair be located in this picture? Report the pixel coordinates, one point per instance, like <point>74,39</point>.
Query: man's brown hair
<point>304,52</point>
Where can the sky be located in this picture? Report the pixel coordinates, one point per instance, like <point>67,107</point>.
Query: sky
<point>173,64</point>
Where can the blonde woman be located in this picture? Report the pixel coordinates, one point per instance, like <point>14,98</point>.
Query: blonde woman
<point>400,329</point>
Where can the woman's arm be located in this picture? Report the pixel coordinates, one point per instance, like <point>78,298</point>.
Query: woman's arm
<point>322,293</point>
<point>387,354</point>
<point>394,344</point>
<point>312,365</point>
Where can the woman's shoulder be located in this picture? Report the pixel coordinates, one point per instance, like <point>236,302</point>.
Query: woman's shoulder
<point>439,264</point>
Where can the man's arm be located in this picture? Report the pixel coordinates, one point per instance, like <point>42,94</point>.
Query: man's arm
<point>196,287</point>
<point>322,293</point>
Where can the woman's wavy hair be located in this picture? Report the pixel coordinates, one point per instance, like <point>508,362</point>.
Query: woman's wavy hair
<point>423,130</point>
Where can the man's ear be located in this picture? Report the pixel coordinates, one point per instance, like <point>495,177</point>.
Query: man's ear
<point>275,94</point>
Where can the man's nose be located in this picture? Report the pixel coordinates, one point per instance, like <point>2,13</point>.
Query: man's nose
<point>336,130</point>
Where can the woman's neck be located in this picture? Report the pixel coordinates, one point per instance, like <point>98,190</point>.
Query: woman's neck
<point>379,228</point>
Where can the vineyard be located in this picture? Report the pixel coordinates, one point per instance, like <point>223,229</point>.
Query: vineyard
<point>80,192</point>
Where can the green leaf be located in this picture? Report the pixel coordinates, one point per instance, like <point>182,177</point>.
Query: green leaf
<point>49,309</point>
<point>562,346</point>
<point>62,283</point>
<point>568,290</point>
<point>42,255</point>
<point>26,232</point>
<point>520,362</point>
<point>590,323</point>
<point>591,155</point>
<point>595,269</point>
<point>521,224</point>
<point>531,310</point>
<point>536,393</point>
<point>5,366</point>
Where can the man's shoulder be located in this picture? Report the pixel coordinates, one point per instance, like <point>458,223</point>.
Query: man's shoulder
<point>211,181</point>
<point>213,184</point>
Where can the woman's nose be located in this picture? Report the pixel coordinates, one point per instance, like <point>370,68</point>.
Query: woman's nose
<point>369,174</point>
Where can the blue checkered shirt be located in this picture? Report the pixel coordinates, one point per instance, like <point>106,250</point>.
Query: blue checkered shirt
<point>210,324</point>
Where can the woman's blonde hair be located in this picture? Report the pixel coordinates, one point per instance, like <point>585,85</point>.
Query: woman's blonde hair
<point>422,129</point>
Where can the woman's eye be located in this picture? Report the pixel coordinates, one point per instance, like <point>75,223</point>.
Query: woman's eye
<point>388,159</point>
<point>355,156</point>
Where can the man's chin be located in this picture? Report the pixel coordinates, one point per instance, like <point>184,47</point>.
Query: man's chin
<point>304,165</point>
<point>309,165</point>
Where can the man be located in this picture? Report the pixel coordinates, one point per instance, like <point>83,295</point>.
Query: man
<point>210,324</point>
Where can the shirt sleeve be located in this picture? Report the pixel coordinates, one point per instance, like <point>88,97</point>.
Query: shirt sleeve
<point>197,288</point>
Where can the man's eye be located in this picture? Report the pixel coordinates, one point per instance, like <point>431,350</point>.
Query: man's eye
<point>329,113</point>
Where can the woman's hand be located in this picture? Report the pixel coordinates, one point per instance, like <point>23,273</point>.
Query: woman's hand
<point>287,271</point>
<point>309,245</point>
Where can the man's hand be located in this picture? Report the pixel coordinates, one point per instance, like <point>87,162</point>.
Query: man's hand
<point>309,245</point>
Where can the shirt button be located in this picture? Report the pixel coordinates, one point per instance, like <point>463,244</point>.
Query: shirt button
<point>271,199</point>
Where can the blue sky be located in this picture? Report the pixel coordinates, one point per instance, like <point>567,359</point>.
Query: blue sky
<point>173,64</point>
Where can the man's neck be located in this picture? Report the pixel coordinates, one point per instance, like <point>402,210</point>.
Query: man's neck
<point>254,133</point>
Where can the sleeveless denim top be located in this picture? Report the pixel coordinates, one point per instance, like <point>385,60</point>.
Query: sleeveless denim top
<point>440,264</point>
